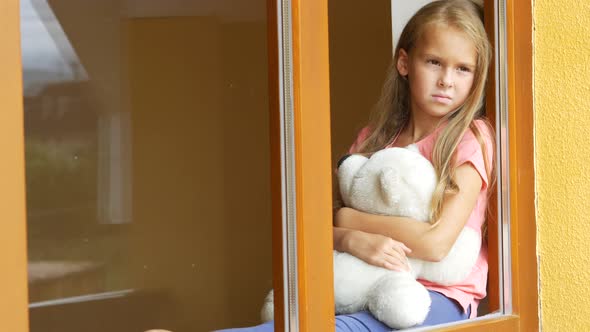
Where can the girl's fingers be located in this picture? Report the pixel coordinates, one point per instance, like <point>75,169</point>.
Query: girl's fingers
<point>395,254</point>
<point>395,266</point>
<point>405,248</point>
<point>389,266</point>
<point>400,250</point>
<point>396,263</point>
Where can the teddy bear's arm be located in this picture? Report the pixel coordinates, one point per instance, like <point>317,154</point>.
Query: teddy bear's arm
<point>428,242</point>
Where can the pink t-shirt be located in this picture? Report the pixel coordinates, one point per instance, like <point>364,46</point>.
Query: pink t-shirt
<point>471,290</point>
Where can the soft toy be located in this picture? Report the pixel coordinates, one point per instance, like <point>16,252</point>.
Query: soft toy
<point>396,182</point>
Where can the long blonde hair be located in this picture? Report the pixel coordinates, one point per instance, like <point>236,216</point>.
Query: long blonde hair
<point>393,108</point>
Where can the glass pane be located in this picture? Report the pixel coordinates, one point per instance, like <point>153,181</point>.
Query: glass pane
<point>147,163</point>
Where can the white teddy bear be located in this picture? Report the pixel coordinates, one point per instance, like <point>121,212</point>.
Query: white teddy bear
<point>396,182</point>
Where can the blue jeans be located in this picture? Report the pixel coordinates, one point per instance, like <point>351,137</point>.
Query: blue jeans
<point>442,310</point>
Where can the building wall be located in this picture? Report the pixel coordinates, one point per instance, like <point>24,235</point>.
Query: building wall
<point>562,124</point>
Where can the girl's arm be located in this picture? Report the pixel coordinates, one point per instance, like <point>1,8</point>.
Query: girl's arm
<point>430,242</point>
<point>375,249</point>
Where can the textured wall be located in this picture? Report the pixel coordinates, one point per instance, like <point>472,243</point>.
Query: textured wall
<point>562,117</point>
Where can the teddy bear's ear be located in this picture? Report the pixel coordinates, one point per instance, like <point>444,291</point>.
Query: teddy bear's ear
<point>347,169</point>
<point>389,181</point>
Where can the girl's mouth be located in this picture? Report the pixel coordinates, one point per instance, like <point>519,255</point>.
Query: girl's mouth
<point>442,99</point>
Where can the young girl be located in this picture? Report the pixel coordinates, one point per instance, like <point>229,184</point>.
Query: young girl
<point>432,97</point>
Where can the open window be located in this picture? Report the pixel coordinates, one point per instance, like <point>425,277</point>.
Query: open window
<point>359,51</point>
<point>357,68</point>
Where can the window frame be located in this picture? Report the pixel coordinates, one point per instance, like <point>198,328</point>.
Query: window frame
<point>311,95</point>
<point>13,247</point>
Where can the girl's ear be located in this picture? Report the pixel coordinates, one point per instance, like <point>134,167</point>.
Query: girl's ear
<point>402,62</point>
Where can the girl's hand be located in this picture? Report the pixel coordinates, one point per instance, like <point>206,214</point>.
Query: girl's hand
<point>378,250</point>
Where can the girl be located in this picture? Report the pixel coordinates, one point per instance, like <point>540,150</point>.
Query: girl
<point>432,97</point>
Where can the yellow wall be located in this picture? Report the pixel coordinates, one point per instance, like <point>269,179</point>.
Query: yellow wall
<point>562,103</point>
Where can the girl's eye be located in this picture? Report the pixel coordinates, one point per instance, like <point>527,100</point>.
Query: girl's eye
<point>433,62</point>
<point>464,69</point>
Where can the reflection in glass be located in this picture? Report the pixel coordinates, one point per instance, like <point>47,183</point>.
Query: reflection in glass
<point>147,161</point>
<point>67,178</point>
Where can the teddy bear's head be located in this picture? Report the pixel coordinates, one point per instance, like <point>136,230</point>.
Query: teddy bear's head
<point>393,181</point>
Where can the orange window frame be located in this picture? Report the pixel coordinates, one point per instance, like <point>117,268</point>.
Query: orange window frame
<point>311,112</point>
<point>13,249</point>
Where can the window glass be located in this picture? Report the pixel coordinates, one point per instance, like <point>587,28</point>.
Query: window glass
<point>147,163</point>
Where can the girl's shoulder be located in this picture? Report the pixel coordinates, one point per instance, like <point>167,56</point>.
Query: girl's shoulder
<point>469,142</point>
<point>484,130</point>
<point>477,149</point>
<point>360,138</point>
<point>482,140</point>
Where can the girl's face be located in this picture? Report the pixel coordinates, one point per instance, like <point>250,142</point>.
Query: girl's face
<point>440,71</point>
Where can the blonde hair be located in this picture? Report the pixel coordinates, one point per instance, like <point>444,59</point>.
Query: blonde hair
<point>393,108</point>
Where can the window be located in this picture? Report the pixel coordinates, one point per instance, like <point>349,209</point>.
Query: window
<point>144,209</point>
<point>305,305</point>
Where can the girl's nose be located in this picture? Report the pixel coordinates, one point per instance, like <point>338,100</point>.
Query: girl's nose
<point>446,80</point>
